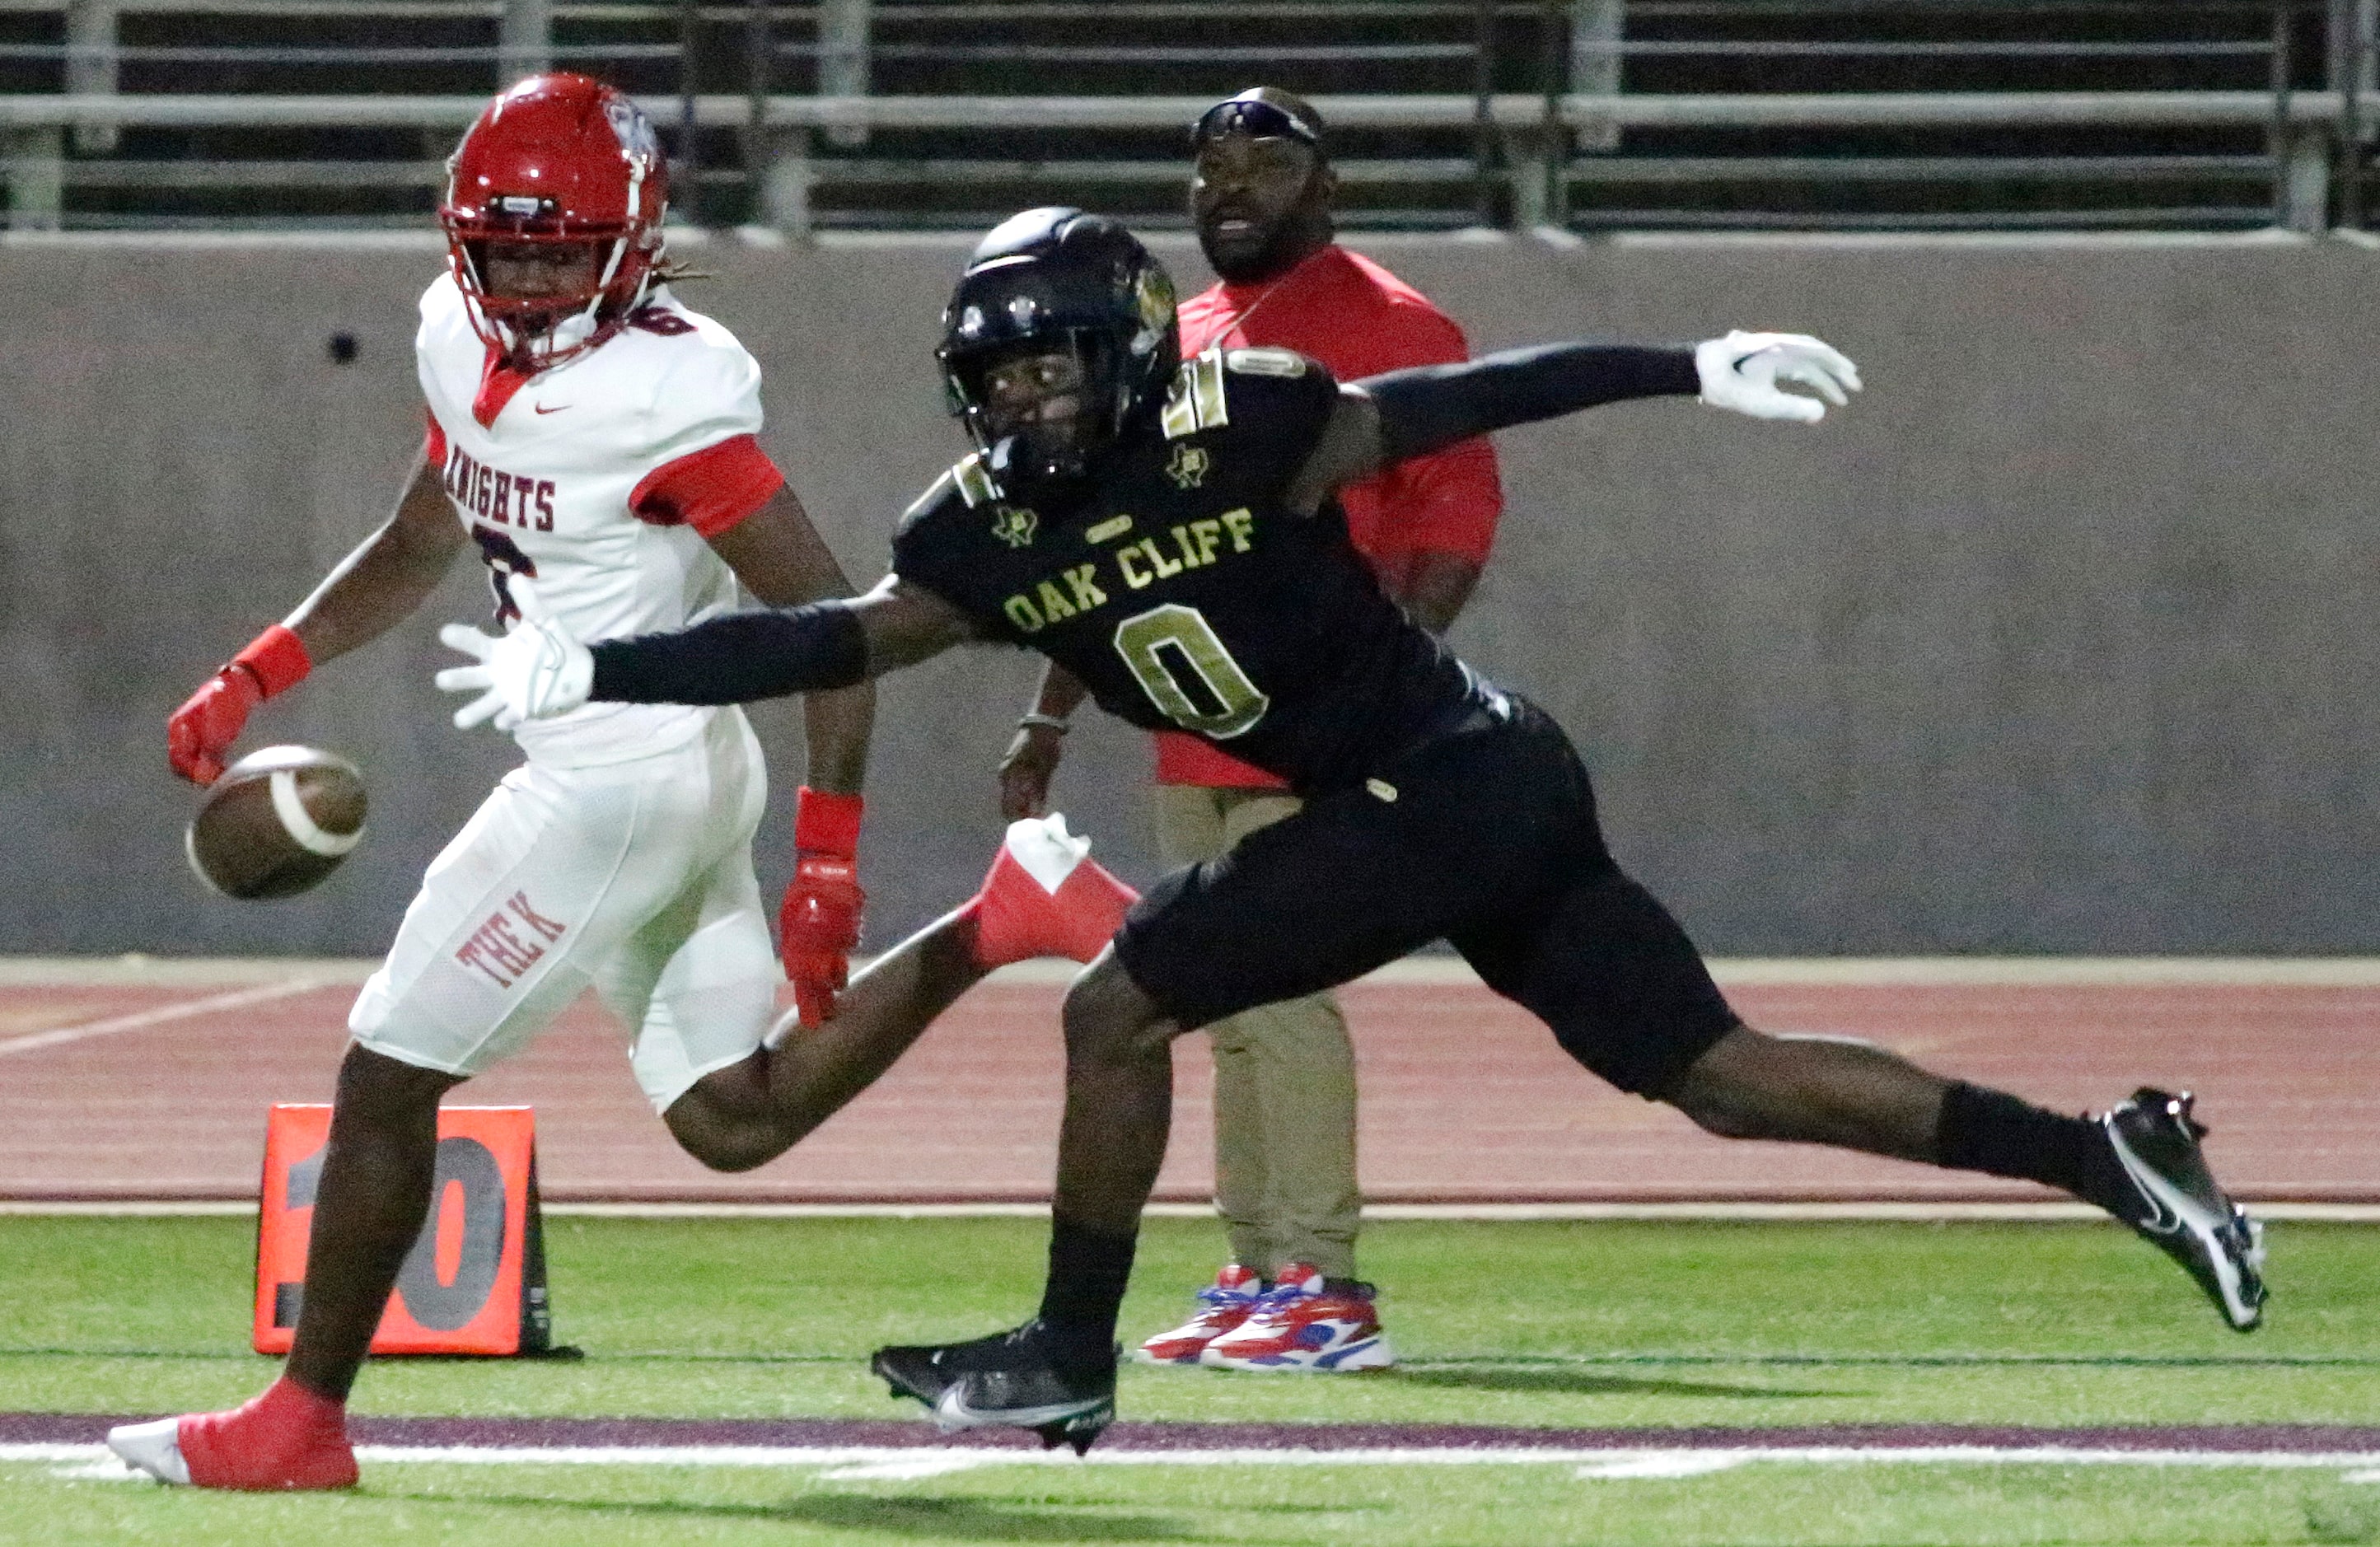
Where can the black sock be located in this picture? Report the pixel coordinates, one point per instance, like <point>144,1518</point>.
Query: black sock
<point>1089,1270</point>
<point>1990,1131</point>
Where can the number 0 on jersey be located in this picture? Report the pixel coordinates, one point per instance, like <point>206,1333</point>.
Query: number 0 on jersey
<point>1187,673</point>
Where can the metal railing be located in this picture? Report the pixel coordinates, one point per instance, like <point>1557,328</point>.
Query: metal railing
<point>1580,112</point>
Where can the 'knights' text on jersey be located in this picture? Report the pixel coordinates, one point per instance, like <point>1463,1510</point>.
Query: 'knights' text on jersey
<point>1186,597</point>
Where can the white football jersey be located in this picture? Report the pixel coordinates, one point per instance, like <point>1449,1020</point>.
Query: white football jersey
<point>547,490</point>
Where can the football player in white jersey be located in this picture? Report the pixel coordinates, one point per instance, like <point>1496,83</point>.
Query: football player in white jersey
<point>587,430</point>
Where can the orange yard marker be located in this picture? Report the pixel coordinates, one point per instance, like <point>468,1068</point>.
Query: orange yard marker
<point>475,1280</point>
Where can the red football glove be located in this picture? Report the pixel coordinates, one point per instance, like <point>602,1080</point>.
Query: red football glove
<point>199,735</point>
<point>819,922</point>
<point>201,730</point>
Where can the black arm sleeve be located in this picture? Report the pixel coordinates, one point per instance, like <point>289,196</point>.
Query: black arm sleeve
<point>1433,406</point>
<point>736,658</point>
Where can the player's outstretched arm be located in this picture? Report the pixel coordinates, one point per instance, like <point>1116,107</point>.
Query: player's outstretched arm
<point>778,555</point>
<point>539,669</point>
<point>373,588</point>
<point>1403,413</point>
<point>389,573</point>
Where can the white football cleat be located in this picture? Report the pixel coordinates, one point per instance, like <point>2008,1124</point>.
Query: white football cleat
<point>154,1447</point>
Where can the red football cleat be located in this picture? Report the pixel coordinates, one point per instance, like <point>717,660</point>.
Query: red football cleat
<point>1304,1324</point>
<point>288,1439</point>
<point>1222,1306</point>
<point>1044,897</point>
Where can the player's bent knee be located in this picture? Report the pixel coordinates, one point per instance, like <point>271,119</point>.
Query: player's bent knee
<point>1720,1116</point>
<point>721,1133</point>
<point>1721,1092</point>
<point>725,1146</point>
<point>1108,1016</point>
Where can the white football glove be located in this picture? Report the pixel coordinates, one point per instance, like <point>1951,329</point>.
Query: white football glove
<point>1741,371</point>
<point>535,671</point>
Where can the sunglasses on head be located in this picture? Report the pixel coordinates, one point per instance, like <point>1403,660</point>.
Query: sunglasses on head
<point>1254,118</point>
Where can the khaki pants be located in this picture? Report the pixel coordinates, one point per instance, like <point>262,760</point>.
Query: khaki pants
<point>1284,1079</point>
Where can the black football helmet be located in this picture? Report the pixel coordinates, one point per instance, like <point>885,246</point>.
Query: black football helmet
<point>1049,279</point>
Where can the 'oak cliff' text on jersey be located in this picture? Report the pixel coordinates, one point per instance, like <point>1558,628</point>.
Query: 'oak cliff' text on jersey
<point>1186,597</point>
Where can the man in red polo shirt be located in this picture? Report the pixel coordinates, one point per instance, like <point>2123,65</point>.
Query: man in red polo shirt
<point>1261,197</point>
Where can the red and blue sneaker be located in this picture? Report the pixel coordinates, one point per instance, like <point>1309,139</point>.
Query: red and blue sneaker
<point>1306,1323</point>
<point>1223,1306</point>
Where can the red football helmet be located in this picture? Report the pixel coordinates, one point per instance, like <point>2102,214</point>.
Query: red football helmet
<point>558,160</point>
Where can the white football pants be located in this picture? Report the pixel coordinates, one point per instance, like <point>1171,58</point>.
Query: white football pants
<point>634,878</point>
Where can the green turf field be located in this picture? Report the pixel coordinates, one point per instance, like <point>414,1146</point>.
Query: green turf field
<point>1533,1324</point>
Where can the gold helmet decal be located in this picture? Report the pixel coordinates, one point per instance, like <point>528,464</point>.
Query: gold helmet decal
<point>1153,293</point>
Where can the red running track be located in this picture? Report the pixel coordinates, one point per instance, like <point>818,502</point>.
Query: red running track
<point>151,1083</point>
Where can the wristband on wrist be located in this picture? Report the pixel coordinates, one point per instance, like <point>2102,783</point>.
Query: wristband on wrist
<point>826,823</point>
<point>276,659</point>
<point>1046,722</point>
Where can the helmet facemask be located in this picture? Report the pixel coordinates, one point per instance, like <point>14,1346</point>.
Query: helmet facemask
<point>1054,282</point>
<point>565,163</point>
<point>1022,447</point>
<point>541,330</point>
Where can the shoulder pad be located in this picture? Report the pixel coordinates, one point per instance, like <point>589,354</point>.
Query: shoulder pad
<point>705,388</point>
<point>973,481</point>
<point>924,506</point>
<point>943,494</point>
<point>1195,401</point>
<point>1199,398</point>
<point>442,308</point>
<point>1265,362</point>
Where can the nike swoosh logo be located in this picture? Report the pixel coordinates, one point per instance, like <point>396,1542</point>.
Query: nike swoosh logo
<point>543,409</point>
<point>2164,1219</point>
<point>954,1413</point>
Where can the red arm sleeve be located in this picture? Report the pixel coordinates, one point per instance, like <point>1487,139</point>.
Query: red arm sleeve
<point>434,448</point>
<point>711,489</point>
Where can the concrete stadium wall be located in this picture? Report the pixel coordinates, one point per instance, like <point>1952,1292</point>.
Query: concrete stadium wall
<point>2065,638</point>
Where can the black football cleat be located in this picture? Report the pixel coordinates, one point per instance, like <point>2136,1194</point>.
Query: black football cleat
<point>923,1370</point>
<point>1009,1379</point>
<point>2185,1214</point>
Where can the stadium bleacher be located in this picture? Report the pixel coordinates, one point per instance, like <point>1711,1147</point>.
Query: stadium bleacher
<point>1586,115</point>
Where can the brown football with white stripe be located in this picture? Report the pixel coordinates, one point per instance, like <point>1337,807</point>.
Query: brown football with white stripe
<point>278,821</point>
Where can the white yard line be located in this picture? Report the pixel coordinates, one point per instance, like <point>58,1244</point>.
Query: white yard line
<point>140,1020</point>
<point>857,1463</point>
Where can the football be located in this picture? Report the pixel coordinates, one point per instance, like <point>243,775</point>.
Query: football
<point>277,822</point>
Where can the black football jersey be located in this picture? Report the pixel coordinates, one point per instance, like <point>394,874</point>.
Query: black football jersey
<point>1185,598</point>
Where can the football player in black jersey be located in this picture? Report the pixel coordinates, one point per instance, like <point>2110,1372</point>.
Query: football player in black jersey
<point>1165,530</point>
